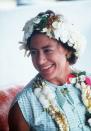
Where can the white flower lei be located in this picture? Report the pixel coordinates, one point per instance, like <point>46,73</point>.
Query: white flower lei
<point>47,98</point>
<point>59,28</point>
<point>49,103</point>
<point>83,82</point>
<point>80,82</point>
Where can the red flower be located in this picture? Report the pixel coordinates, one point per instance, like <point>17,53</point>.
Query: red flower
<point>88,80</point>
<point>70,76</point>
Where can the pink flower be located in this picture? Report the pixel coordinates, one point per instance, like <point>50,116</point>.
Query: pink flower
<point>88,80</point>
<point>70,76</point>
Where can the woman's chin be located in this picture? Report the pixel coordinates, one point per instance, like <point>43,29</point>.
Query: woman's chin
<point>48,76</point>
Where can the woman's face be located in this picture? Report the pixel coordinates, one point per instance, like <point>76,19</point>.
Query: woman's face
<point>48,57</point>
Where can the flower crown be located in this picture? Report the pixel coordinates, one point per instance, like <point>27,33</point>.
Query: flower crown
<point>56,27</point>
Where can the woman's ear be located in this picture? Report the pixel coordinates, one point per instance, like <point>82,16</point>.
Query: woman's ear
<point>68,55</point>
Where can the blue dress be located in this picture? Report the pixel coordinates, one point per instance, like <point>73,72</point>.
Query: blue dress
<point>40,120</point>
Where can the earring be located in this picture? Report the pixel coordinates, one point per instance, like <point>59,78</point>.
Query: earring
<point>68,57</point>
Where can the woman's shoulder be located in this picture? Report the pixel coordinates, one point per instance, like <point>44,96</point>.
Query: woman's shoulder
<point>26,93</point>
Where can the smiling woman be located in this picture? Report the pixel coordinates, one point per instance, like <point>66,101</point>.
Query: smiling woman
<point>51,100</point>
<point>47,55</point>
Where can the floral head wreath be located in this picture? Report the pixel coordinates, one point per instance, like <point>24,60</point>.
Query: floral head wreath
<point>56,27</point>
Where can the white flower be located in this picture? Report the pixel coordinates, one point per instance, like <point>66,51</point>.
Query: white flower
<point>89,121</point>
<point>72,80</point>
<point>63,37</point>
<point>57,34</point>
<point>44,101</point>
<point>45,90</point>
<point>45,96</point>
<point>36,20</point>
<point>70,44</point>
<point>49,33</point>
<point>64,33</point>
<point>77,54</point>
<point>54,103</point>
<point>78,85</point>
<point>82,77</point>
<point>83,85</point>
<point>44,30</point>
<point>28,29</point>
<point>75,46</point>
<point>55,24</point>
<point>51,98</point>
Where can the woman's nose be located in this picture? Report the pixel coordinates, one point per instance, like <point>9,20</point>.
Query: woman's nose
<point>41,58</point>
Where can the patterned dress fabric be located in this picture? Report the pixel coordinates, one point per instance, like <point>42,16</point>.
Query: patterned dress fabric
<point>70,103</point>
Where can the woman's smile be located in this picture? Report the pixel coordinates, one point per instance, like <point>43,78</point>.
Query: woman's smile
<point>47,69</point>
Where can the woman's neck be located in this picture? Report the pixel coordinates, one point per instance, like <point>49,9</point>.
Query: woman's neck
<point>62,79</point>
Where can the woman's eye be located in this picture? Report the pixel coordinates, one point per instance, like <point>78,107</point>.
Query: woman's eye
<point>48,50</point>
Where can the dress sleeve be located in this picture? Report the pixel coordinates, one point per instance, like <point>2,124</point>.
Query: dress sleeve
<point>24,102</point>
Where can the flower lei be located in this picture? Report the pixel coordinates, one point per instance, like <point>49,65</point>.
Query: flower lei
<point>55,26</point>
<point>83,82</point>
<point>48,101</point>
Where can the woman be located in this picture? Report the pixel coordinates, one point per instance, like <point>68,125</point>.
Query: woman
<point>58,98</point>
